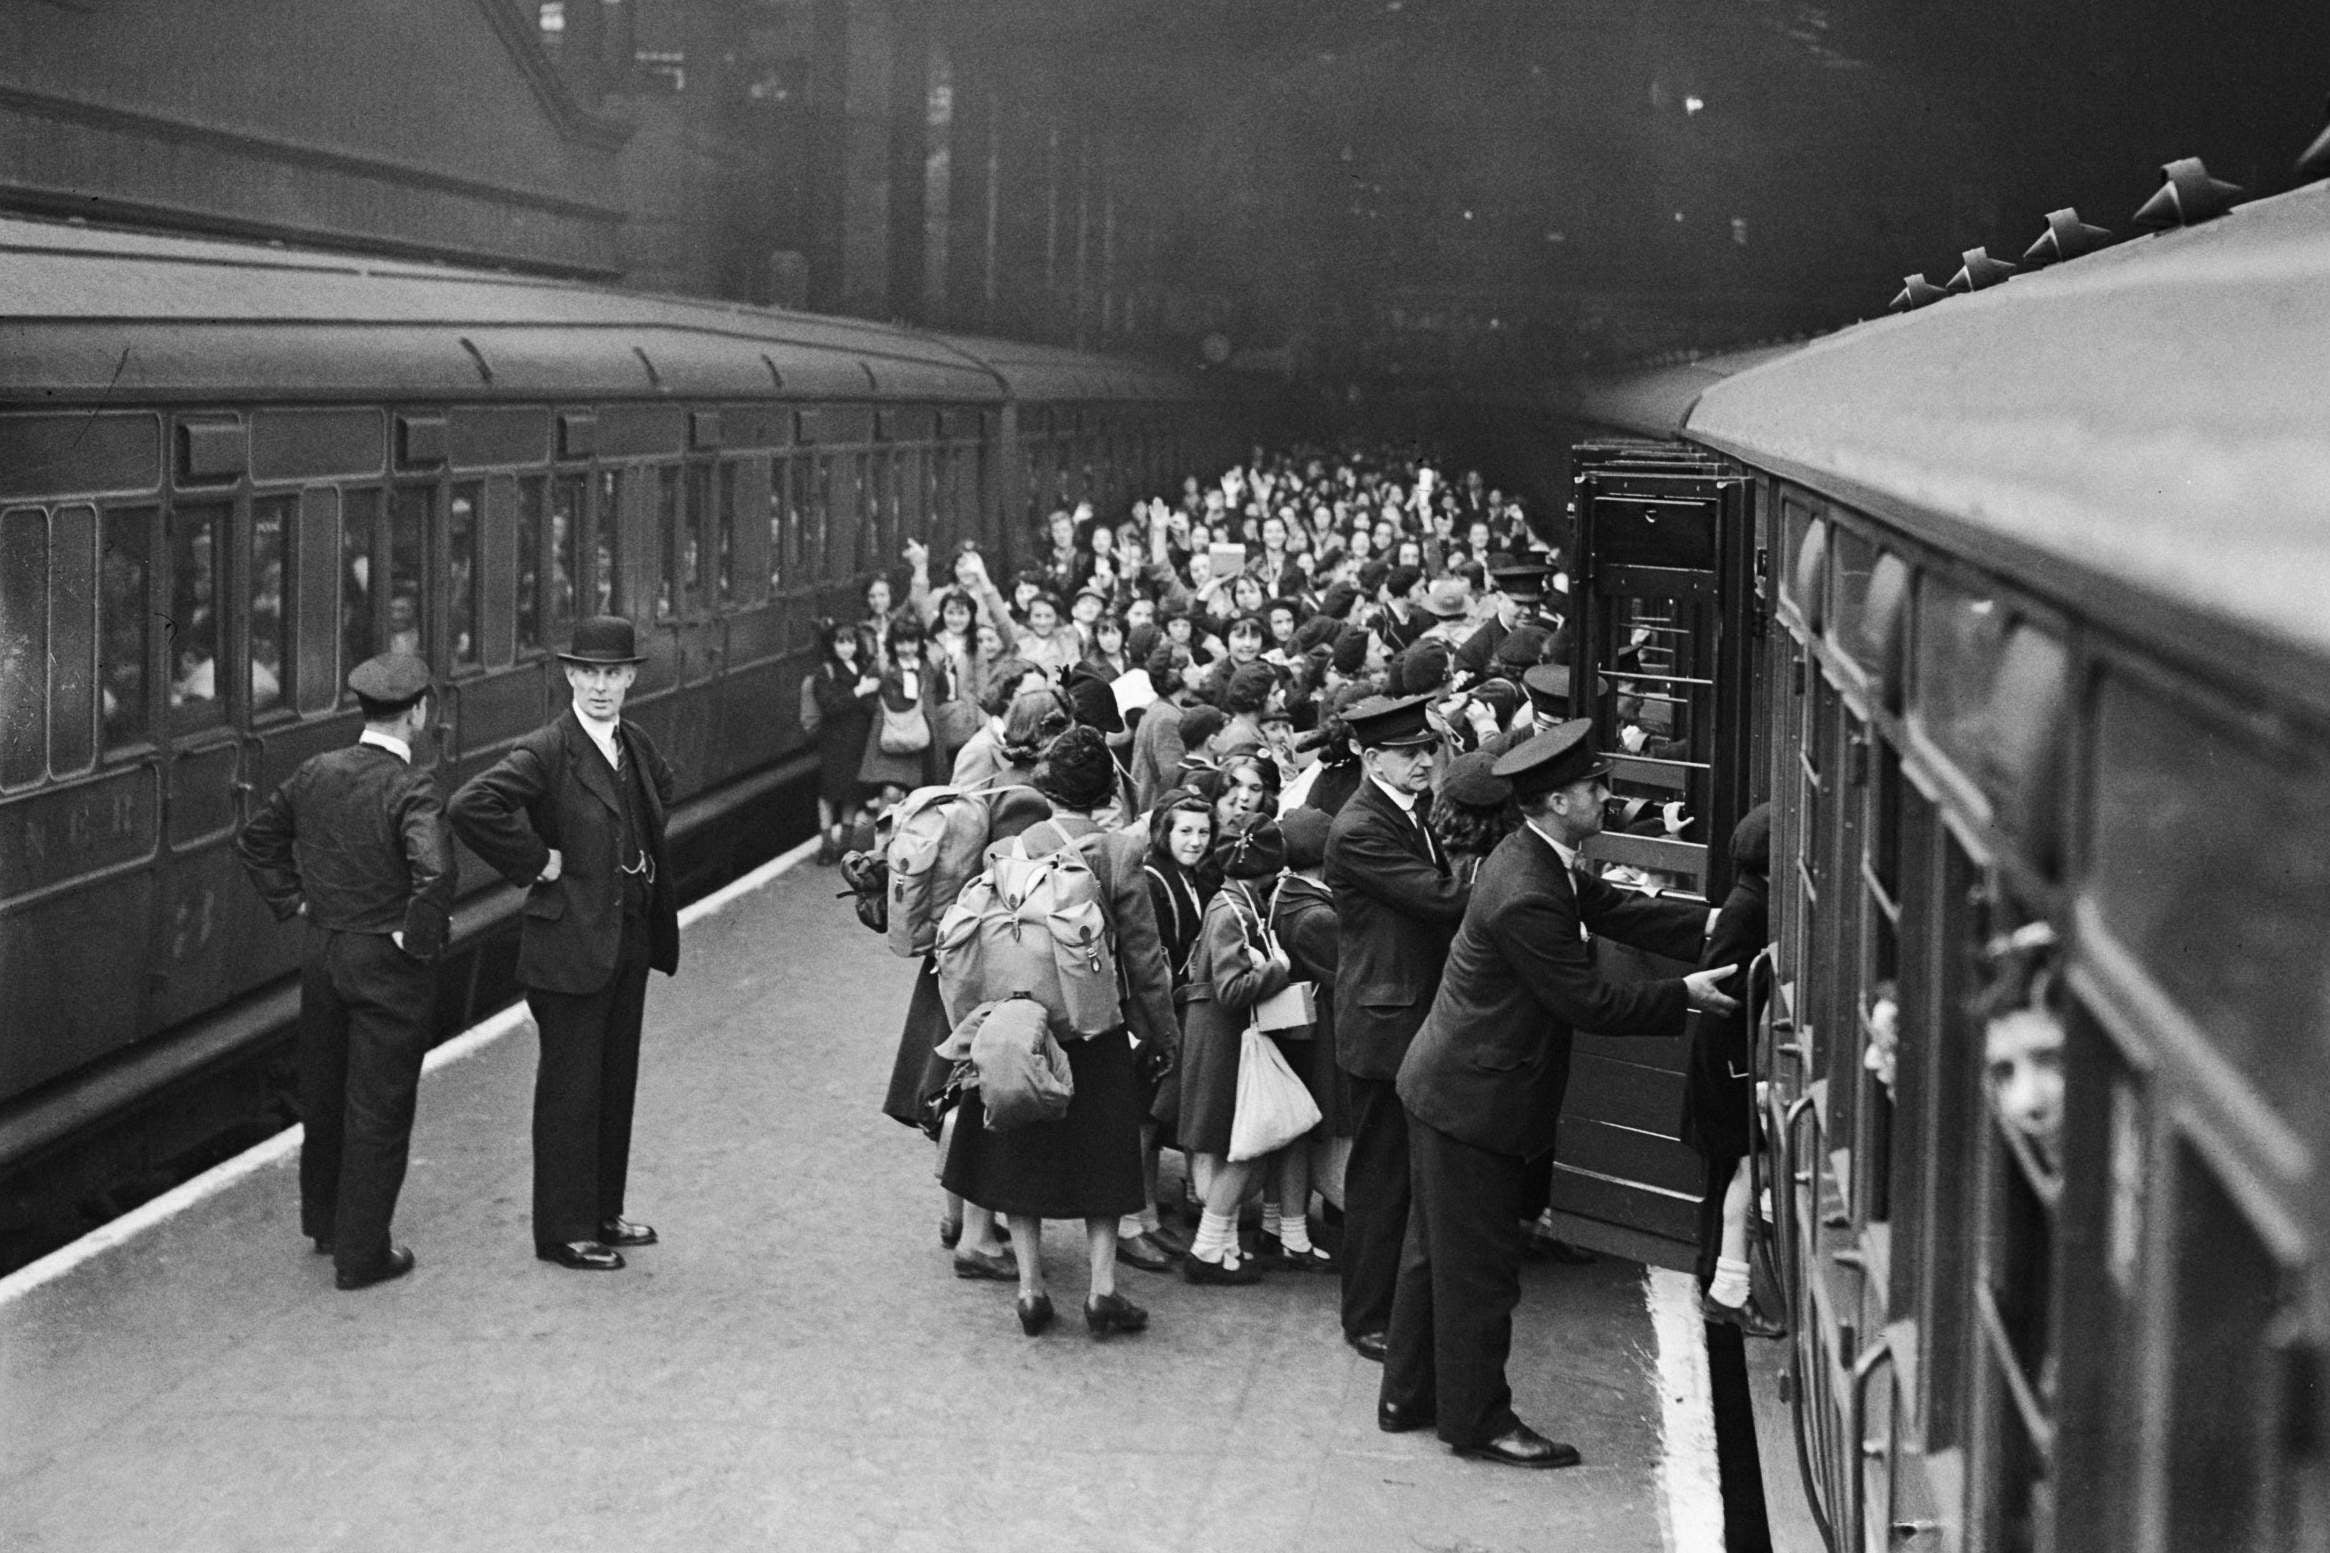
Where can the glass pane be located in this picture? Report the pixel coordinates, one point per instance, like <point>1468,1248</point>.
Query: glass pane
<point>125,620</point>
<point>1852,559</point>
<point>566,524</point>
<point>610,517</point>
<point>271,519</point>
<point>695,525</point>
<point>724,558</point>
<point>2204,844</point>
<point>671,579</point>
<point>194,607</point>
<point>360,517</point>
<point>24,646</point>
<point>2228,1304</point>
<point>1960,637</point>
<point>533,546</point>
<point>72,640</point>
<point>408,570</point>
<point>781,529</point>
<point>461,520</point>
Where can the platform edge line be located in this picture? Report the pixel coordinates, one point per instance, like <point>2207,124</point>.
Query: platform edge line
<point>269,1150</point>
<point>1691,1506</point>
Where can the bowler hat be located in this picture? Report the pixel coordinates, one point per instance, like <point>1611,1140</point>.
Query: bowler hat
<point>603,639</point>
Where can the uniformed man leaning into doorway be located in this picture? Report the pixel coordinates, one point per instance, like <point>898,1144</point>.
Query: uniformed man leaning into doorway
<point>1483,1085</point>
<point>574,815</point>
<point>355,842</point>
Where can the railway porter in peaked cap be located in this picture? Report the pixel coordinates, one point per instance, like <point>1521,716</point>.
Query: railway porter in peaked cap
<point>354,845</point>
<point>1390,722</point>
<point>1561,755</point>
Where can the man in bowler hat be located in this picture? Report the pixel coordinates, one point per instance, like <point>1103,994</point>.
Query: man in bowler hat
<point>1483,1084</point>
<point>574,815</point>
<point>1396,904</point>
<point>354,842</point>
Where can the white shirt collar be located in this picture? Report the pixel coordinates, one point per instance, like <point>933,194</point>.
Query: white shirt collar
<point>1568,855</point>
<point>1406,801</point>
<point>389,742</point>
<point>601,734</point>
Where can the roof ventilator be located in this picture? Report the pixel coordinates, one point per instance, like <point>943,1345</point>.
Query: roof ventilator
<point>2066,237</point>
<point>2314,161</point>
<point>1916,291</point>
<point>1980,271</point>
<point>2187,196</point>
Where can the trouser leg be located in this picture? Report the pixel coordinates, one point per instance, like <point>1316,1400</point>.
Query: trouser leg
<point>1375,1206</point>
<point>388,995</point>
<point>1471,1199</point>
<point>619,1079</point>
<point>573,1028</point>
<point>323,1087</point>
<point>1410,1375</point>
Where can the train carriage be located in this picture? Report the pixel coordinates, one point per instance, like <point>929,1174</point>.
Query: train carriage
<point>228,473</point>
<point>2042,666</point>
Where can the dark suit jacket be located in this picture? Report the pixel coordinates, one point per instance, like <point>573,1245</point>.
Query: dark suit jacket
<point>556,790</point>
<point>358,837</point>
<point>1396,911</point>
<point>1492,1060</point>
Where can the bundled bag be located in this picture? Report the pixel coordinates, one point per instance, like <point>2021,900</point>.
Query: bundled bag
<point>1021,1072</point>
<point>903,732</point>
<point>1273,1107</point>
<point>1293,1010</point>
<point>869,889</point>
<point>938,840</point>
<point>1032,926</point>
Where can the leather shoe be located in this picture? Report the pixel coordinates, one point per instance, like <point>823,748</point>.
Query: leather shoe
<point>1145,1253</point>
<point>1198,1270</point>
<point>1521,1446</point>
<point>399,1262</point>
<point>1402,1418</point>
<point>622,1232</point>
<point>1751,1321</point>
<point>1002,1267</point>
<point>587,1256</point>
<point>1174,1241</point>
<point>1106,1313</point>
<point>1369,1345</point>
<point>1035,1313</point>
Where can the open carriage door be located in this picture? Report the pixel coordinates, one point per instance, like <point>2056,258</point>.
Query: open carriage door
<point>1664,595</point>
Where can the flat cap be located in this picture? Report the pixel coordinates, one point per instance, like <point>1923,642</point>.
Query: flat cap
<point>1305,831</point>
<point>1548,685</point>
<point>393,679</point>
<point>1554,759</point>
<point>1471,782</point>
<point>1389,722</point>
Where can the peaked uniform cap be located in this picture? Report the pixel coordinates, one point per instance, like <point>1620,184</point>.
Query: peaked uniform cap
<point>1388,722</point>
<point>1554,759</point>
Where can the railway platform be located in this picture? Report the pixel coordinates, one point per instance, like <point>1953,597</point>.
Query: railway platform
<point>794,1367</point>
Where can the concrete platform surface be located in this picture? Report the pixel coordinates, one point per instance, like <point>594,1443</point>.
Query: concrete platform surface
<point>795,1367</point>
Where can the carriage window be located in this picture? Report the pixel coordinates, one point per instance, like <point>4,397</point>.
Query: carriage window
<point>2196,826</point>
<point>724,528</point>
<point>565,561</point>
<point>678,549</point>
<point>820,513</point>
<point>1961,634</point>
<point>359,534</point>
<point>195,612</point>
<point>462,514</point>
<point>408,570</point>
<point>125,622</point>
<point>601,591</point>
<point>271,519</point>
<point>1852,560</point>
<point>72,640</point>
<point>24,645</point>
<point>534,547</point>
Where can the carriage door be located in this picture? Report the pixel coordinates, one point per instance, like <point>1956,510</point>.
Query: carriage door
<point>1662,663</point>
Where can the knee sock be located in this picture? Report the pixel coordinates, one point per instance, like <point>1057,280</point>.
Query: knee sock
<point>1730,1285</point>
<point>1129,1226</point>
<point>1269,1217</point>
<point>1217,1237</point>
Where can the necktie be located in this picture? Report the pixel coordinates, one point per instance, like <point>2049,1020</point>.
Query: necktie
<point>616,744</point>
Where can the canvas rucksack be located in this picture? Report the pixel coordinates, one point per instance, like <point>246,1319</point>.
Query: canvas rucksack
<point>1020,1071</point>
<point>1032,925</point>
<point>938,840</point>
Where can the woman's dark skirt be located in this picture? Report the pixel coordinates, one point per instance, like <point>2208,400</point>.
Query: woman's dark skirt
<point>1086,1165</point>
<point>918,1072</point>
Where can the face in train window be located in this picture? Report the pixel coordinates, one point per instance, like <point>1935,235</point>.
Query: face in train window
<point>195,603</point>
<point>2022,1038</point>
<point>124,621</point>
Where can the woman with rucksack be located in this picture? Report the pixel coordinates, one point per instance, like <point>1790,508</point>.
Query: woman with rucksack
<point>1181,829</point>
<point>1086,1163</point>
<point>838,712</point>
